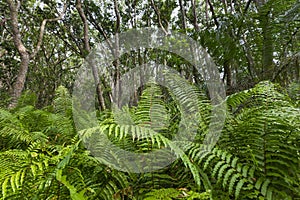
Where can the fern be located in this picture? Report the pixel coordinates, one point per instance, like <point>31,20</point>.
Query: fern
<point>257,156</point>
<point>264,134</point>
<point>171,193</point>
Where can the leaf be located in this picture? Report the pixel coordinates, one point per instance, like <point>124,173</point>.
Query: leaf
<point>232,182</point>
<point>4,187</point>
<point>265,187</point>
<point>259,182</point>
<point>227,176</point>
<point>239,187</point>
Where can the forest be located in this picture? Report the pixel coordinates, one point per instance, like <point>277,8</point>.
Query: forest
<point>150,99</point>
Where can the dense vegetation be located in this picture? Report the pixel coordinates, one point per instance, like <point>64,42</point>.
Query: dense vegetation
<point>255,45</point>
<point>257,156</point>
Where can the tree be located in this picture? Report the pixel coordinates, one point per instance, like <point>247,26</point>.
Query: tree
<point>25,54</point>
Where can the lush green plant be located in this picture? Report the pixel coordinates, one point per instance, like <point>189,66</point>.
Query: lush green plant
<point>171,193</point>
<point>42,157</point>
<point>257,156</point>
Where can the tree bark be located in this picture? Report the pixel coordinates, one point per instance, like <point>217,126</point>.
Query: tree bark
<point>267,46</point>
<point>183,13</point>
<point>116,54</point>
<point>195,21</point>
<point>157,12</point>
<point>86,51</point>
<point>25,57</point>
<point>19,84</point>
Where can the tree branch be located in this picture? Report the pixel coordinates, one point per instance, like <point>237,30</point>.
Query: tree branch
<point>15,30</point>
<point>85,26</point>
<point>42,31</point>
<point>100,29</point>
<point>195,20</point>
<point>213,13</point>
<point>158,16</point>
<point>247,6</point>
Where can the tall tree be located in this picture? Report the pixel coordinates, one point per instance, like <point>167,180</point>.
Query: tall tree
<point>25,54</point>
<point>86,50</point>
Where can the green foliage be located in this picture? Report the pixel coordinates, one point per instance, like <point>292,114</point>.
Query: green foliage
<point>171,193</point>
<point>264,135</point>
<point>257,156</point>
<point>293,12</point>
<point>167,193</point>
<point>294,92</point>
<point>42,158</point>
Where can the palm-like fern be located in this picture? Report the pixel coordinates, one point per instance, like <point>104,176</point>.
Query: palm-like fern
<point>257,156</point>
<point>261,139</point>
<point>41,158</point>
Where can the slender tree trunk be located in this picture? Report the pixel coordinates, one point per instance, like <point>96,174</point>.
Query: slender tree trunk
<point>297,66</point>
<point>116,54</point>
<point>19,84</point>
<point>157,12</point>
<point>250,61</point>
<point>267,52</point>
<point>228,75</point>
<point>183,14</point>
<point>195,20</point>
<point>25,57</point>
<point>86,51</point>
<point>213,14</point>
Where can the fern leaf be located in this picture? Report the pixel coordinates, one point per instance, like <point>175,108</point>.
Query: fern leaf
<point>259,182</point>
<point>227,176</point>
<point>221,171</point>
<point>264,187</point>
<point>216,168</point>
<point>232,182</point>
<point>239,187</point>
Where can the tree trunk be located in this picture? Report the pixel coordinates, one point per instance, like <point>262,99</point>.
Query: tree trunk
<point>86,51</point>
<point>183,14</point>
<point>195,19</point>
<point>267,45</point>
<point>25,57</point>
<point>19,84</point>
<point>267,51</point>
<point>117,77</point>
